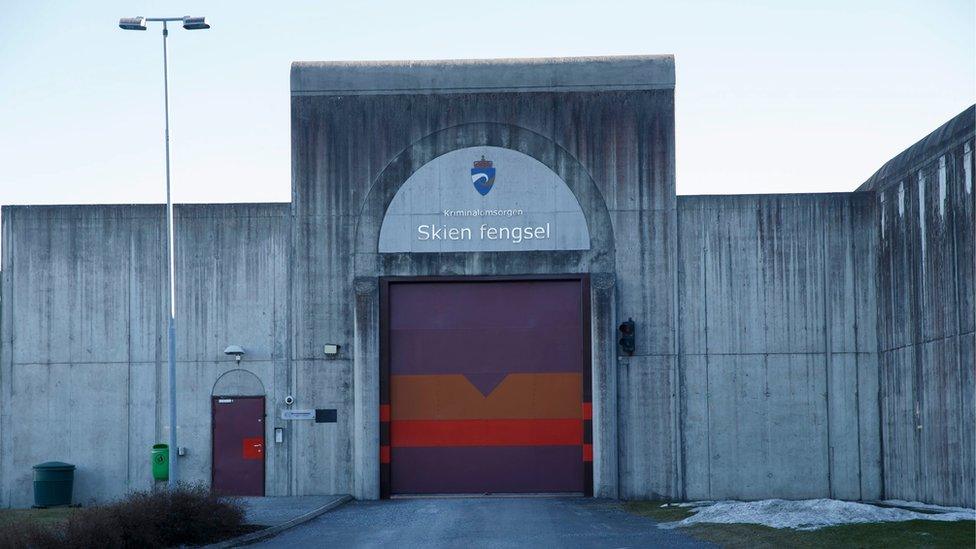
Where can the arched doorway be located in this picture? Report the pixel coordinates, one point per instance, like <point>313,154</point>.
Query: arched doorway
<point>237,423</point>
<point>377,260</point>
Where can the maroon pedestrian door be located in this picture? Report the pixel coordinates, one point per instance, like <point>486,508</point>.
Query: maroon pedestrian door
<point>238,446</point>
<point>484,388</point>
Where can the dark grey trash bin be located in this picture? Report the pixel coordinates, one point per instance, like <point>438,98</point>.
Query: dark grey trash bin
<point>53,483</point>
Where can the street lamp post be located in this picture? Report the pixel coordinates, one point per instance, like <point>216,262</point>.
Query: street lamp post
<point>189,23</point>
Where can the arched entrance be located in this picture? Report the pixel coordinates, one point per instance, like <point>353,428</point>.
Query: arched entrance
<point>374,268</point>
<point>237,423</point>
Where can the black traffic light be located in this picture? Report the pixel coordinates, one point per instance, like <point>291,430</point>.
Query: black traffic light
<point>627,336</point>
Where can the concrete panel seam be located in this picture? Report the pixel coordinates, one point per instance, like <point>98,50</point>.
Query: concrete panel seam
<point>857,366</point>
<point>827,357</point>
<point>927,341</point>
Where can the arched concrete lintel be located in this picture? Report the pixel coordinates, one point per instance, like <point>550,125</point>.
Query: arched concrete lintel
<point>238,382</point>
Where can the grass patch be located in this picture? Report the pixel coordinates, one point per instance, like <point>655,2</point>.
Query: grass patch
<point>654,510</point>
<point>909,534</point>
<point>913,533</point>
<point>42,517</point>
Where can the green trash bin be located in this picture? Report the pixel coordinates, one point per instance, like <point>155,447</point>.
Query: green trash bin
<point>53,483</point>
<point>160,461</point>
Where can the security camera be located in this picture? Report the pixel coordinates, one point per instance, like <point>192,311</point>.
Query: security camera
<point>235,351</point>
<point>289,400</point>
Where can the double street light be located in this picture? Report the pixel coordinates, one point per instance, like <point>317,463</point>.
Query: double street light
<point>189,23</point>
<point>139,23</point>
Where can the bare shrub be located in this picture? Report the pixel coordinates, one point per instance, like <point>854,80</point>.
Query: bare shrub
<point>189,515</point>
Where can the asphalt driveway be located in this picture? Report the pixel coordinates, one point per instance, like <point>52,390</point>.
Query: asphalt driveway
<point>481,522</point>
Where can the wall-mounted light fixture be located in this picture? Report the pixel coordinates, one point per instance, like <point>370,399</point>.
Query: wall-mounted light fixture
<point>628,336</point>
<point>331,350</point>
<point>236,351</point>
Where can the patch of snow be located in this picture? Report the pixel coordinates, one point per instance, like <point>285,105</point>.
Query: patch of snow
<point>688,504</point>
<point>926,506</point>
<point>809,514</point>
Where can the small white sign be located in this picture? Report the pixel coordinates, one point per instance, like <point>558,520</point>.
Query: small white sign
<point>298,414</point>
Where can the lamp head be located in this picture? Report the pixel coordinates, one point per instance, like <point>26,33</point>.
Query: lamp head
<point>235,351</point>
<point>195,23</point>
<point>133,23</point>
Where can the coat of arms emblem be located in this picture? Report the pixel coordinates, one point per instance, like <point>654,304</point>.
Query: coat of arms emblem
<point>483,176</point>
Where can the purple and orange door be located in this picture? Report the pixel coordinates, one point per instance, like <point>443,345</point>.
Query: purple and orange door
<point>238,446</point>
<point>485,387</point>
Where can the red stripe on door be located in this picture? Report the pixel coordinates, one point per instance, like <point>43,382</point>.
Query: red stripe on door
<point>486,432</point>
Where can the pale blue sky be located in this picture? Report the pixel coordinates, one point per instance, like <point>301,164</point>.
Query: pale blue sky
<point>772,96</point>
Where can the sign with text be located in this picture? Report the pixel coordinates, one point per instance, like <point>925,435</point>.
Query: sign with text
<point>297,414</point>
<point>481,199</point>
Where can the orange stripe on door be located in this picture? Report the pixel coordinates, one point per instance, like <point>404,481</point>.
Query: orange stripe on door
<point>452,396</point>
<point>486,432</point>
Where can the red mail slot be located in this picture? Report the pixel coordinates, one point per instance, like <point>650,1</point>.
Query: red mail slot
<point>253,448</point>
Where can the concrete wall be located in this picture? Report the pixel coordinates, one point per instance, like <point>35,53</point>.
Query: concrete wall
<point>787,346</point>
<point>778,366</point>
<point>84,337</point>
<point>926,316</point>
<point>604,125</point>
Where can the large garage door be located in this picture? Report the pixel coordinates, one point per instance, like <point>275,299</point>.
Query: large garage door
<point>486,388</point>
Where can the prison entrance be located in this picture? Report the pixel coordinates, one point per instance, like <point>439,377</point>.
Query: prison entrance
<point>485,387</point>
